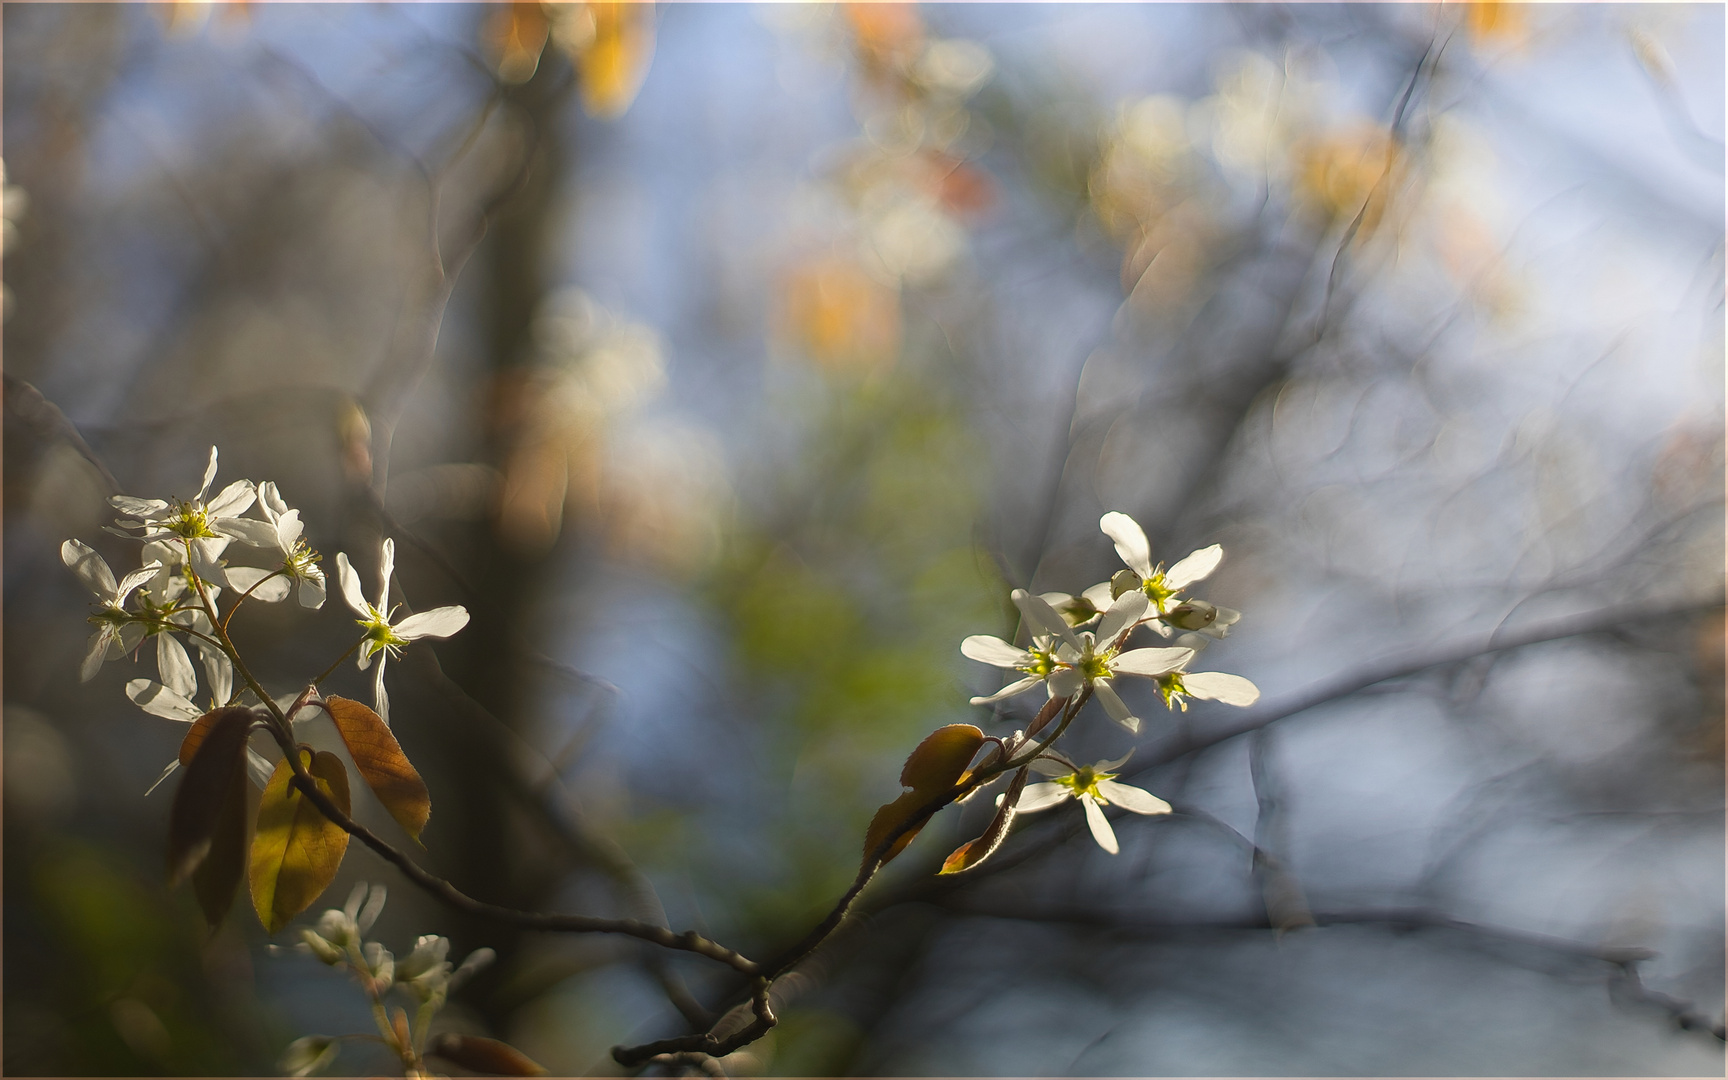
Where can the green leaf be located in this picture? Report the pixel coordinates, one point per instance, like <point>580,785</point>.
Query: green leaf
<point>937,765</point>
<point>382,764</point>
<point>297,850</point>
<point>215,770</point>
<point>484,1055</point>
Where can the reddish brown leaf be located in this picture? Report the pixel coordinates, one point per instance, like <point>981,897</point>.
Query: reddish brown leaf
<point>382,764</point>
<point>217,876</point>
<point>200,731</point>
<point>973,852</point>
<point>484,1055</point>
<point>216,765</point>
<point>936,766</point>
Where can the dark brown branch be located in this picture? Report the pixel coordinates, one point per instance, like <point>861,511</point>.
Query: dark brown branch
<point>706,1043</point>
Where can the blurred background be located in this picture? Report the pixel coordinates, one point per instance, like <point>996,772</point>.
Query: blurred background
<point>731,364</point>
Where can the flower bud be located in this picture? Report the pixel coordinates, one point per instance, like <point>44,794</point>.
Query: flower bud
<point>1122,582</point>
<point>322,949</point>
<point>429,952</point>
<point>381,965</point>
<point>337,928</point>
<point>1192,615</point>
<point>307,1055</point>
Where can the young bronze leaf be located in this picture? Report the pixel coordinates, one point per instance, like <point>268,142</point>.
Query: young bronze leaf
<point>484,1055</point>
<point>200,731</point>
<point>934,767</point>
<point>217,876</point>
<point>382,764</point>
<point>217,764</point>
<point>297,850</point>
<point>973,852</point>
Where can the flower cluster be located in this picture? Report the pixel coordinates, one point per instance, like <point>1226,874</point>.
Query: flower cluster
<point>425,976</point>
<point>186,590</point>
<point>1079,647</point>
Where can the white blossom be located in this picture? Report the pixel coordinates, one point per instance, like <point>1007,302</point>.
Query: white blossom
<point>196,518</point>
<point>1095,787</point>
<point>383,637</point>
<point>1159,585</point>
<point>1096,659</point>
<point>299,561</point>
<point>117,631</point>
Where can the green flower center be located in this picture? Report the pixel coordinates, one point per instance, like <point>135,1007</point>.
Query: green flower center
<point>1084,781</point>
<point>379,635</point>
<point>1170,687</point>
<point>1041,666</point>
<point>1156,591</point>
<point>190,521</point>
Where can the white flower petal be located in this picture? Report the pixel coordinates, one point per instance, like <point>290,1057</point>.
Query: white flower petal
<point>270,501</point>
<point>1043,617</point>
<point>1066,683</point>
<point>258,767</point>
<point>1194,567</point>
<point>288,529</point>
<point>254,579</point>
<point>234,500</point>
<point>1114,707</point>
<point>1130,541</point>
<point>1132,798</point>
<point>312,591</point>
<point>128,638</point>
<point>1042,797</point>
<point>91,569</point>
<point>350,582</point>
<point>158,700</point>
<point>437,623</point>
<point>218,670</point>
<point>166,773</point>
<point>1008,691</point>
<point>175,666</point>
<point>380,698</point>
<point>136,507</point>
<point>1221,687</point>
<point>1112,766</point>
<point>134,579</point>
<point>1150,662</point>
<point>386,567</point>
<point>1099,824</point>
<point>97,651</point>
<point>1099,596</point>
<point>993,650</point>
<point>246,530</point>
<point>1122,614</point>
<point>209,476</point>
<point>1044,766</point>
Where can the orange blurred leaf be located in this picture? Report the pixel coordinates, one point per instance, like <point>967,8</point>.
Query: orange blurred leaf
<point>382,764</point>
<point>484,1055</point>
<point>936,766</point>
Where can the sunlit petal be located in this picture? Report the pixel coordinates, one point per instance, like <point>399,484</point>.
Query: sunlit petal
<point>1132,798</point>
<point>1130,541</point>
<point>1150,662</point>
<point>1100,825</point>
<point>993,650</point>
<point>1194,567</point>
<point>1221,687</point>
<point>437,623</point>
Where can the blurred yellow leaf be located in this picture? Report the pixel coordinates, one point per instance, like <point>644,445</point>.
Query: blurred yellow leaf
<point>610,43</point>
<point>937,765</point>
<point>1347,172</point>
<point>297,850</point>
